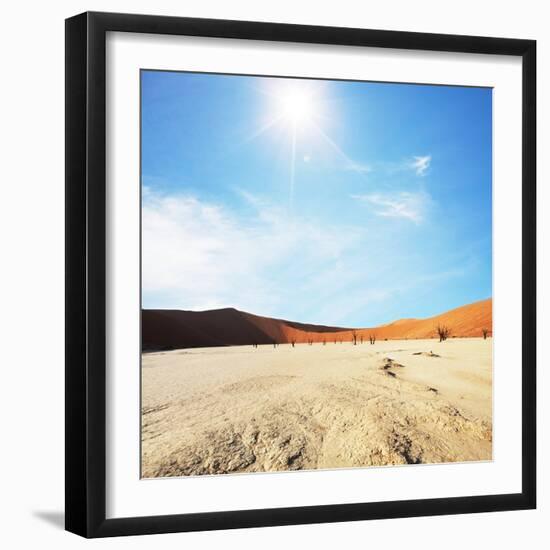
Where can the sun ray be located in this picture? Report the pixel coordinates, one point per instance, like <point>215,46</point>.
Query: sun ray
<point>350,163</point>
<point>262,129</point>
<point>292,171</point>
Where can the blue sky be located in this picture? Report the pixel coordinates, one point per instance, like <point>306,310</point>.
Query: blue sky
<point>344,203</point>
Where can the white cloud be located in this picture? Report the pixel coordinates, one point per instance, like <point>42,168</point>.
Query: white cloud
<point>421,165</point>
<point>358,167</point>
<point>403,204</point>
<point>198,255</point>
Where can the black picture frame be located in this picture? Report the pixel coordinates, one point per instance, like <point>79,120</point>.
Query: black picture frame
<point>86,268</point>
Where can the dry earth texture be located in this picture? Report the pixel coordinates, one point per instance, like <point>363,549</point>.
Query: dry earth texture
<point>245,409</point>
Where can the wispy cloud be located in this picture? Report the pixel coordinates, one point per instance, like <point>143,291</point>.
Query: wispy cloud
<point>201,255</point>
<point>412,206</point>
<point>358,167</point>
<point>421,165</point>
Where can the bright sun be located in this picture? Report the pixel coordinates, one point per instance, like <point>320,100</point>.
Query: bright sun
<point>296,107</point>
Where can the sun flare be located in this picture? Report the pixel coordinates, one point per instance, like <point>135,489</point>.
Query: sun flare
<point>296,107</point>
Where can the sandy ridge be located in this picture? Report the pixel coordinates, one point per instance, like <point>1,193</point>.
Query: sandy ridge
<point>175,329</point>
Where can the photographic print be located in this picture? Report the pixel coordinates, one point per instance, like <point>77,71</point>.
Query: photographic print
<point>316,262</point>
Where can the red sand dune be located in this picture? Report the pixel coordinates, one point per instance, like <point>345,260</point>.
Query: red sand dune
<point>174,329</point>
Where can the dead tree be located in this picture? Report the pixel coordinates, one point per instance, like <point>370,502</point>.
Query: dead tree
<point>372,339</point>
<point>361,338</point>
<point>443,331</point>
<point>324,341</point>
<point>354,338</point>
<point>293,342</point>
<point>485,332</point>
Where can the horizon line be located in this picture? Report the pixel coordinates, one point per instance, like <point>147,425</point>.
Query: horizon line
<point>231,308</point>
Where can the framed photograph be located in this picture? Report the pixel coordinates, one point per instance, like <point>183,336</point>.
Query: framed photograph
<point>300,274</point>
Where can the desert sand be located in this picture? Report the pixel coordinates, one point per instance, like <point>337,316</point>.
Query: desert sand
<point>244,409</point>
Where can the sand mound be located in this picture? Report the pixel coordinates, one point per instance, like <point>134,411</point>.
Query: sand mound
<point>174,329</point>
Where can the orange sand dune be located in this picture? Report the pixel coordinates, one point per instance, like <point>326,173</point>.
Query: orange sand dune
<point>174,329</point>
